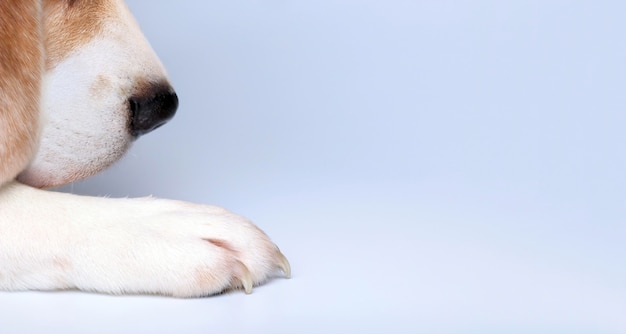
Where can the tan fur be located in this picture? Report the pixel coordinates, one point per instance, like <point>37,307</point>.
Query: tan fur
<point>21,69</point>
<point>70,24</point>
<point>63,264</point>
<point>222,244</point>
<point>34,34</point>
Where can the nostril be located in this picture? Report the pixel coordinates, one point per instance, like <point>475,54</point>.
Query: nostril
<point>150,111</point>
<point>133,105</point>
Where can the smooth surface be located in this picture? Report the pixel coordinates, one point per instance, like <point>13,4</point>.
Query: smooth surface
<point>426,166</point>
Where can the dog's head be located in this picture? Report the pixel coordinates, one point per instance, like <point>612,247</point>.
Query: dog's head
<point>102,86</point>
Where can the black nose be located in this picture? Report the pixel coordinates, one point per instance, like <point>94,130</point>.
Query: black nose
<point>151,108</point>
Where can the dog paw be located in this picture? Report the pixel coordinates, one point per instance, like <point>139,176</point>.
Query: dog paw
<point>247,256</point>
<point>175,248</point>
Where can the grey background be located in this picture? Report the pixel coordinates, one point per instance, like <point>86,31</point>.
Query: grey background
<point>427,166</point>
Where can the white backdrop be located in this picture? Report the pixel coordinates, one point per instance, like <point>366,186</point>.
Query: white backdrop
<point>427,166</point>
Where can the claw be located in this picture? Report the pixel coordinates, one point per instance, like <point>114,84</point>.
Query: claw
<point>246,279</point>
<point>283,264</point>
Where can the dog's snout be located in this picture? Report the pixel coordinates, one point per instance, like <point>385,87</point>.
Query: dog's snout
<point>152,108</point>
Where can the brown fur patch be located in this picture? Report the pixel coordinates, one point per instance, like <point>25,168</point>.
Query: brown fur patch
<point>99,88</point>
<point>62,263</point>
<point>221,243</point>
<point>70,24</point>
<point>21,69</point>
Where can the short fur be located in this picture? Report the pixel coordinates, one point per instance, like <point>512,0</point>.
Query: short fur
<point>21,70</point>
<point>68,69</point>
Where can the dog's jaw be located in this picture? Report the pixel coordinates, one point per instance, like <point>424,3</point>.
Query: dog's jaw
<point>85,110</point>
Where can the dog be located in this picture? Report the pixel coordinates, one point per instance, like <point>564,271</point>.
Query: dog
<point>78,84</point>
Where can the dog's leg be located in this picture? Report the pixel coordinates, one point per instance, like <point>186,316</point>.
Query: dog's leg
<point>52,240</point>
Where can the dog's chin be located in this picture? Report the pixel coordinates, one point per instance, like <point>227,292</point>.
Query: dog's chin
<point>46,178</point>
<point>37,180</point>
<point>50,171</point>
<point>42,178</point>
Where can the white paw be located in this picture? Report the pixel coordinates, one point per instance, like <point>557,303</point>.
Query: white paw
<point>51,241</point>
<point>172,248</point>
